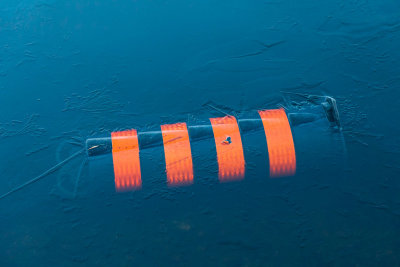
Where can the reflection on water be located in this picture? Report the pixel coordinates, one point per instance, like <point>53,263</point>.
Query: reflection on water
<point>178,156</point>
<point>125,150</point>
<point>229,148</point>
<point>282,156</point>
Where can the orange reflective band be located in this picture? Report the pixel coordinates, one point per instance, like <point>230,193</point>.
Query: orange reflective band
<point>178,156</point>
<point>282,156</point>
<point>229,148</point>
<point>125,152</point>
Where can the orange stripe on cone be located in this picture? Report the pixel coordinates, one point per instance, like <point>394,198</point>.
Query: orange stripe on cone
<point>282,156</point>
<point>229,147</point>
<point>178,155</point>
<point>125,152</point>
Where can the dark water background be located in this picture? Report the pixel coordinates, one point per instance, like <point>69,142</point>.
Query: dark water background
<point>74,69</point>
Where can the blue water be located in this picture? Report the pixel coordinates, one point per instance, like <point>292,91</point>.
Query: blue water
<point>70,70</point>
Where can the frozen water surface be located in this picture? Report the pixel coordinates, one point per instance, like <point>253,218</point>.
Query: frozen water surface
<point>70,70</point>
